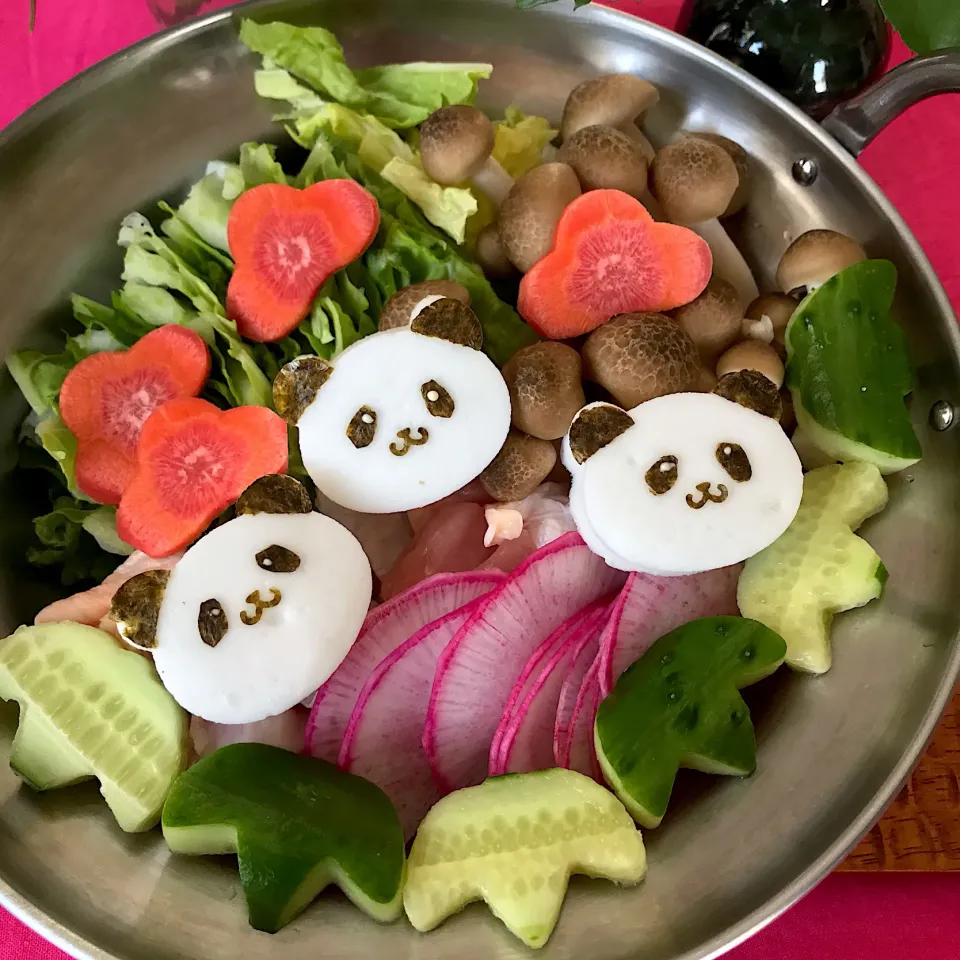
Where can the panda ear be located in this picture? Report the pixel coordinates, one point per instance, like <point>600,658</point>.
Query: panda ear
<point>297,386</point>
<point>450,320</point>
<point>753,390</point>
<point>136,606</point>
<point>595,426</point>
<point>274,493</point>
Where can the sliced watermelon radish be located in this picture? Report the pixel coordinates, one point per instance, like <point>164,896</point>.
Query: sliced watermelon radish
<point>581,660</point>
<point>286,243</point>
<point>106,399</point>
<point>478,669</point>
<point>382,741</point>
<point>193,461</point>
<point>649,607</point>
<point>385,628</point>
<point>610,257</point>
<point>581,754</point>
<point>527,742</point>
<point>530,673</point>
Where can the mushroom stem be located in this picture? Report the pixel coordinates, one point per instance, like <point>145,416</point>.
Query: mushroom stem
<point>728,261</point>
<point>493,180</point>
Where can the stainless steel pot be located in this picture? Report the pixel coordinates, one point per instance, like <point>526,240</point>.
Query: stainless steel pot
<point>832,751</point>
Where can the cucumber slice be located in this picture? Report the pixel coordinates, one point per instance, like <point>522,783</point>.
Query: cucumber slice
<point>848,369</point>
<point>513,842</point>
<point>296,824</point>
<point>679,706</point>
<point>818,567</point>
<point>89,708</point>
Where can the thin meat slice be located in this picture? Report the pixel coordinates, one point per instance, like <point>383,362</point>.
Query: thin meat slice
<point>92,606</point>
<point>527,742</point>
<point>451,541</point>
<point>283,730</point>
<point>649,606</point>
<point>382,742</point>
<point>479,667</point>
<point>385,628</point>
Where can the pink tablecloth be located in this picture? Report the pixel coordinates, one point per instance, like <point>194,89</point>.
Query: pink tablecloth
<point>849,917</point>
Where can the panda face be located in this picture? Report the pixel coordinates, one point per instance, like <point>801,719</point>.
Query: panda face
<point>403,420</point>
<point>690,482</point>
<point>259,613</point>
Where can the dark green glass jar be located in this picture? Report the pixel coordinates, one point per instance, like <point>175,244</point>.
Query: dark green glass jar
<point>817,53</point>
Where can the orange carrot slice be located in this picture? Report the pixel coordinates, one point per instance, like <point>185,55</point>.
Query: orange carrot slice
<point>610,257</point>
<point>106,398</point>
<point>193,461</point>
<point>286,243</point>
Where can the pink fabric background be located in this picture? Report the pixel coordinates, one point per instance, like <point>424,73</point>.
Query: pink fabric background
<point>915,161</point>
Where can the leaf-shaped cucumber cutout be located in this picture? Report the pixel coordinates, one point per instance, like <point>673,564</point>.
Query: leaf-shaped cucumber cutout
<point>679,706</point>
<point>297,824</point>
<point>848,369</point>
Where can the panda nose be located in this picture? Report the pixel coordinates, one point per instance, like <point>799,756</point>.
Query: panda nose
<point>407,440</point>
<point>707,495</point>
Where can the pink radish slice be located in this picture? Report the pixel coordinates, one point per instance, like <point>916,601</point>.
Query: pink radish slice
<point>528,676</point>
<point>382,742</point>
<point>648,607</point>
<point>581,660</point>
<point>581,754</point>
<point>527,744</point>
<point>479,666</point>
<point>385,628</point>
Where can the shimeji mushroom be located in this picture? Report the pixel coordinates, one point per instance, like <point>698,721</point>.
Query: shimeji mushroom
<point>532,209</point>
<point>491,254</point>
<point>407,303</point>
<point>740,160</point>
<point>696,181</point>
<point>617,100</point>
<point>605,158</point>
<point>752,355</point>
<point>456,143</point>
<point>713,321</point>
<point>766,320</point>
<point>813,258</point>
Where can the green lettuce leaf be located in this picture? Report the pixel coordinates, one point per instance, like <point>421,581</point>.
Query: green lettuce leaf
<point>399,95</point>
<point>383,151</point>
<point>66,542</point>
<point>55,437</point>
<point>274,83</point>
<point>39,377</point>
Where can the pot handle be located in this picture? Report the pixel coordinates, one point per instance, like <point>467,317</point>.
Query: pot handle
<point>856,122</point>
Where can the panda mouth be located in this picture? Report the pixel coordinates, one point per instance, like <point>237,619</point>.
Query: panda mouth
<point>707,495</point>
<point>408,441</point>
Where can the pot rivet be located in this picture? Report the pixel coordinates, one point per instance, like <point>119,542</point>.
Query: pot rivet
<point>805,171</point>
<point>941,415</point>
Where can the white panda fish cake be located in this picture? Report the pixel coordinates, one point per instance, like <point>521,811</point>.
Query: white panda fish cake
<point>402,418</point>
<point>256,615</point>
<point>680,484</point>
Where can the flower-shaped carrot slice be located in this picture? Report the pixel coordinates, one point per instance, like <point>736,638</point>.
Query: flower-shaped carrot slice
<point>610,257</point>
<point>106,398</point>
<point>193,461</point>
<point>286,243</point>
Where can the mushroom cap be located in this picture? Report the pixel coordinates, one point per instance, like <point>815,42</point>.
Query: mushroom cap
<point>613,99</point>
<point>545,388</point>
<point>603,158</point>
<point>741,160</point>
<point>396,311</point>
<point>491,255</point>
<point>816,256</point>
<point>455,142</point>
<point>532,209</point>
<point>694,180</point>
<point>639,356</point>
<point>778,308</point>
<point>522,464</point>
<point>752,355</point>
<point>751,389</point>
<point>714,320</point>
